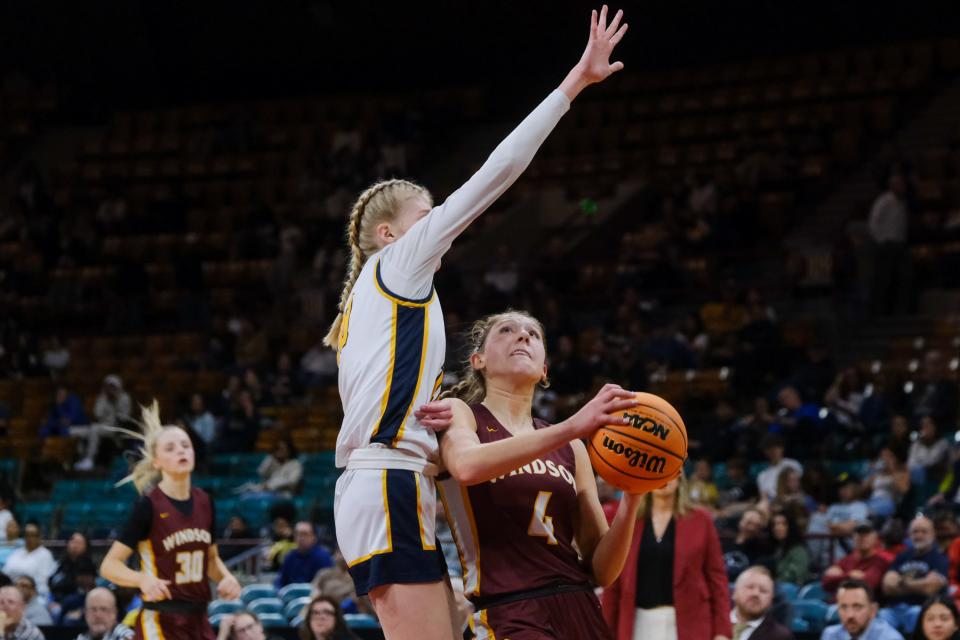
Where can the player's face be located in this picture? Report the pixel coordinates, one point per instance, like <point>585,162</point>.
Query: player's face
<point>514,349</point>
<point>938,623</point>
<point>323,618</point>
<point>174,452</point>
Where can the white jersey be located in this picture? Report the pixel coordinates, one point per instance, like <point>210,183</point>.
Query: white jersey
<point>392,341</point>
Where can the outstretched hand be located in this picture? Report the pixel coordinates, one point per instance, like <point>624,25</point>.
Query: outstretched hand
<point>436,415</point>
<point>595,65</point>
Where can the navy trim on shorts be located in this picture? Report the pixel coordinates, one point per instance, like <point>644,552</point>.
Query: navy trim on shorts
<point>408,562</point>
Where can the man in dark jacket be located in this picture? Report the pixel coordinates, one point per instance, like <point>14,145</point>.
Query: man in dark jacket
<point>752,601</point>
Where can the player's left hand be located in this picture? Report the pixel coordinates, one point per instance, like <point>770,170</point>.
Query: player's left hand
<point>595,63</point>
<point>228,589</point>
<point>436,416</point>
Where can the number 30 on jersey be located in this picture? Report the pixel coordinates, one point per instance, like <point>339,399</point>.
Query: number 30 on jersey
<point>191,567</point>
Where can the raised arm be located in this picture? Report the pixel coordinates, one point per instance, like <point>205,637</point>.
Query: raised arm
<point>409,263</point>
<point>471,462</point>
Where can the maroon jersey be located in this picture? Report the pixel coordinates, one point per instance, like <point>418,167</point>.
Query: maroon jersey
<point>177,544</point>
<point>515,533</point>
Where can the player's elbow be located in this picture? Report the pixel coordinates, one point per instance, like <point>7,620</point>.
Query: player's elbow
<point>466,473</point>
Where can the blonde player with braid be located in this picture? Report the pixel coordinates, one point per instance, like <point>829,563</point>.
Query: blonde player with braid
<point>390,343</point>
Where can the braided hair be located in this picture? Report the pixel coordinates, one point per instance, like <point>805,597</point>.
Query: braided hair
<point>379,203</point>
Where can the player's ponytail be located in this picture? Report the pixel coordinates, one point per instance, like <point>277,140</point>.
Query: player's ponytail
<point>379,203</point>
<point>472,386</point>
<point>144,474</point>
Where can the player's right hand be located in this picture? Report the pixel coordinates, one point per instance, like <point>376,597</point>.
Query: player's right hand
<point>154,589</point>
<point>602,410</point>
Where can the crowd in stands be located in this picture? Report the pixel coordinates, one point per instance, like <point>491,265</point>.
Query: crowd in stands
<point>812,470</point>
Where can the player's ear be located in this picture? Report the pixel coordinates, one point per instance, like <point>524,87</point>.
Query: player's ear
<point>476,361</point>
<point>385,234</point>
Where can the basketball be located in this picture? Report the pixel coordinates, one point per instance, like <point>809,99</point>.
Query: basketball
<point>644,455</point>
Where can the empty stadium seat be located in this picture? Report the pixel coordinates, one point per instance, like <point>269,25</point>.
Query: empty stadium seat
<point>787,590</point>
<point>295,607</point>
<point>224,606</point>
<point>361,621</point>
<point>812,591</point>
<point>295,590</point>
<point>265,605</point>
<point>252,592</point>
<point>272,620</point>
<point>814,612</point>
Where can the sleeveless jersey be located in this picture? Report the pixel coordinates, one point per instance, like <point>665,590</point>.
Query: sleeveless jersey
<point>515,533</point>
<point>177,548</point>
<point>392,345</point>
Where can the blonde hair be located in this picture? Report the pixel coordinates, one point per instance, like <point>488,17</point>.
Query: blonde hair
<point>379,203</point>
<point>682,503</point>
<point>144,475</point>
<point>472,386</point>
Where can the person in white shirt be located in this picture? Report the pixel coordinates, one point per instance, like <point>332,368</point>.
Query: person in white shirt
<point>33,559</point>
<point>112,410</point>
<point>773,448</point>
<point>280,472</point>
<point>752,600</point>
<point>887,226</point>
<point>391,345</point>
<point>5,515</point>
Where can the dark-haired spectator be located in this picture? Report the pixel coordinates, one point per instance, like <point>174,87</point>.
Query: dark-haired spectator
<point>887,225</point>
<point>790,555</point>
<point>864,563</point>
<point>241,425</point>
<point>283,382</point>
<point>237,529</point>
<point>888,481</point>
<point>752,603</point>
<point>798,421</point>
<point>66,411</point>
<point>857,609</point>
<point>100,614</point>
<point>72,605</point>
<point>738,491</point>
<point>200,420</point>
<point>32,559</point>
<point>749,544</point>
<point>13,623</point>
<point>929,455</point>
<point>282,535</point>
<point>303,562</point>
<point>938,397</point>
<point>844,514</point>
<point>939,620</point>
<point>773,448</point>
<point>34,610</point>
<point>915,575</point>
<point>323,620</point>
<point>845,397</point>
<point>280,472</point>
<point>111,410</point>
<point>75,560</point>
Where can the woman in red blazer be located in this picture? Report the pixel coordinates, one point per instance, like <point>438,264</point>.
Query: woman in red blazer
<point>693,603</point>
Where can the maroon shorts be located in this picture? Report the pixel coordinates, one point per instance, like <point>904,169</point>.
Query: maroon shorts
<point>154,625</point>
<point>560,616</point>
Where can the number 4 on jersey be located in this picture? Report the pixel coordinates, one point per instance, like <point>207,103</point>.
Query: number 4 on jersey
<point>541,524</point>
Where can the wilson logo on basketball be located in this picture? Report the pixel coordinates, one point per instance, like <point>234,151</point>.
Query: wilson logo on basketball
<point>636,458</point>
<point>647,425</point>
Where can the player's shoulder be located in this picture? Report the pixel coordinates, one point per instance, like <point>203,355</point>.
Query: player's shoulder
<point>463,415</point>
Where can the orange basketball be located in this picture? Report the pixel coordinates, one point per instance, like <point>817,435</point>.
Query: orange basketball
<point>644,455</point>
